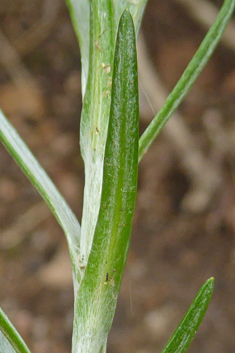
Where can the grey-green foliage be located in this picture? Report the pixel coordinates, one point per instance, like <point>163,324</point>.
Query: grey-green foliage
<point>109,162</point>
<point>96,300</point>
<point>97,31</point>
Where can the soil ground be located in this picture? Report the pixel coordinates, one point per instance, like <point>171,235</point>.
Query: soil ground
<point>176,243</point>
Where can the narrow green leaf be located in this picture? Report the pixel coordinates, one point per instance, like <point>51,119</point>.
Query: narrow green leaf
<point>189,76</point>
<point>96,23</point>
<point>41,181</point>
<point>188,327</point>
<point>96,300</point>
<point>10,339</point>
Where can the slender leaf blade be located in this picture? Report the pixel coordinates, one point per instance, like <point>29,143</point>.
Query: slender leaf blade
<point>97,296</point>
<point>41,181</point>
<point>96,23</point>
<point>188,327</point>
<point>10,339</point>
<point>189,76</point>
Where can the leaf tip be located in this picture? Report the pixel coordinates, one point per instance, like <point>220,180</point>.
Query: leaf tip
<point>208,286</point>
<point>126,15</point>
<point>211,281</point>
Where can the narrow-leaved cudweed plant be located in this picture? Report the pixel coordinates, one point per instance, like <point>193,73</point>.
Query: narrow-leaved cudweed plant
<point>111,150</point>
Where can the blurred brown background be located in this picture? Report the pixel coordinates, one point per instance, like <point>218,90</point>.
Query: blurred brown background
<point>184,224</point>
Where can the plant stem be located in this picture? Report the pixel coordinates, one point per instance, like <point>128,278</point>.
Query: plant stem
<point>95,115</point>
<point>96,300</point>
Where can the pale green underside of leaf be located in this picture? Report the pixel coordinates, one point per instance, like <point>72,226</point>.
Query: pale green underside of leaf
<point>79,12</point>
<point>5,346</point>
<point>38,177</point>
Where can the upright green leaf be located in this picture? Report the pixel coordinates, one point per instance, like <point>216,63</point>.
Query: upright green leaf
<point>96,300</point>
<point>95,23</point>
<point>10,339</point>
<point>188,327</point>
